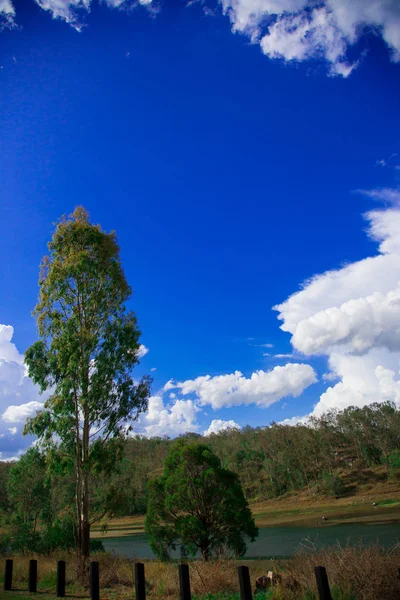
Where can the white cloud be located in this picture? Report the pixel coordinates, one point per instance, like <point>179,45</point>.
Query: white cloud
<point>262,388</point>
<point>329,376</point>
<point>298,30</point>
<point>358,324</point>
<point>70,11</point>
<point>390,195</point>
<point>352,315</point>
<point>7,13</point>
<point>294,421</point>
<point>19,397</point>
<point>218,425</point>
<point>171,420</point>
<point>170,385</point>
<point>19,414</point>
<point>142,351</point>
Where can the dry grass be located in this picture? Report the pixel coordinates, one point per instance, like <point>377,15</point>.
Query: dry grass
<point>363,573</point>
<point>354,573</point>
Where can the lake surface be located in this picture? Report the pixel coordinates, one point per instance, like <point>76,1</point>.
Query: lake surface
<point>280,541</point>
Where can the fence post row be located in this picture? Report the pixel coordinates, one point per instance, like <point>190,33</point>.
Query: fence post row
<point>321,576</point>
<point>94,581</point>
<point>8,573</point>
<point>140,586</point>
<point>184,582</point>
<point>60,579</point>
<point>244,583</point>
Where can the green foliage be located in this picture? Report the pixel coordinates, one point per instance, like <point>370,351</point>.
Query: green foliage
<point>394,459</point>
<point>333,485</point>
<point>96,546</point>
<point>5,468</point>
<point>197,505</point>
<point>27,487</point>
<point>5,543</point>
<point>394,463</point>
<point>61,534</point>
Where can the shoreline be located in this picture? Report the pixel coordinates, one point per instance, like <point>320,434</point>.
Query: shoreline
<point>287,513</point>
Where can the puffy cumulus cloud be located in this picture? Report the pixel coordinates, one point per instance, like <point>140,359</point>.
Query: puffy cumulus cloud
<point>142,351</point>
<point>171,420</point>
<point>358,324</point>
<point>298,30</point>
<point>19,397</point>
<point>262,388</point>
<point>352,315</point>
<point>218,425</point>
<point>19,414</point>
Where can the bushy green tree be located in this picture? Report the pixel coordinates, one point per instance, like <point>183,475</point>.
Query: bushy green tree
<point>87,349</point>
<point>197,505</point>
<point>28,489</point>
<point>29,496</point>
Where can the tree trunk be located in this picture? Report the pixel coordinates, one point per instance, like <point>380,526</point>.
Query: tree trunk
<point>83,505</point>
<point>85,540</point>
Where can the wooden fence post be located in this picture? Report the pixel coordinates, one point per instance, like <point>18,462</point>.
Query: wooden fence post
<point>32,580</point>
<point>140,586</point>
<point>244,583</point>
<point>324,591</point>
<point>94,581</point>
<point>184,582</point>
<point>60,579</point>
<point>8,573</point>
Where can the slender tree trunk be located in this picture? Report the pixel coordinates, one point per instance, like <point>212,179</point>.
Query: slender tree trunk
<point>205,555</point>
<point>85,542</point>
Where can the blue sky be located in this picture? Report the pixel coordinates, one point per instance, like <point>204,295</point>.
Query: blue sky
<point>236,148</point>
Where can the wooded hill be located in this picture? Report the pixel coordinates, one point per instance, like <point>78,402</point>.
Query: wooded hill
<point>270,462</point>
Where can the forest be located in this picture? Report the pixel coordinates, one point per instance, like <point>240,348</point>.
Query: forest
<point>37,496</point>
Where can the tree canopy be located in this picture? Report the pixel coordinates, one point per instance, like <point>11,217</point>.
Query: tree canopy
<point>198,505</point>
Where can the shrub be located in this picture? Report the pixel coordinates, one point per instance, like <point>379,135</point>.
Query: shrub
<point>333,485</point>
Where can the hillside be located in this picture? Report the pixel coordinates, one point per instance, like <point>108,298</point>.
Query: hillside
<point>373,499</point>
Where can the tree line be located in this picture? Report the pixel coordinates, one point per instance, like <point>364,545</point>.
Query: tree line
<point>37,497</point>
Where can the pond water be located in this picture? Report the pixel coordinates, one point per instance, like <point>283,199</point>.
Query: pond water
<point>280,541</point>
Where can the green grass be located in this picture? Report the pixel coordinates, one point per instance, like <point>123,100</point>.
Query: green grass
<point>388,502</point>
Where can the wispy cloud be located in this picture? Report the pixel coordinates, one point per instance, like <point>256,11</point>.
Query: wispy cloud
<point>389,195</point>
<point>72,12</point>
